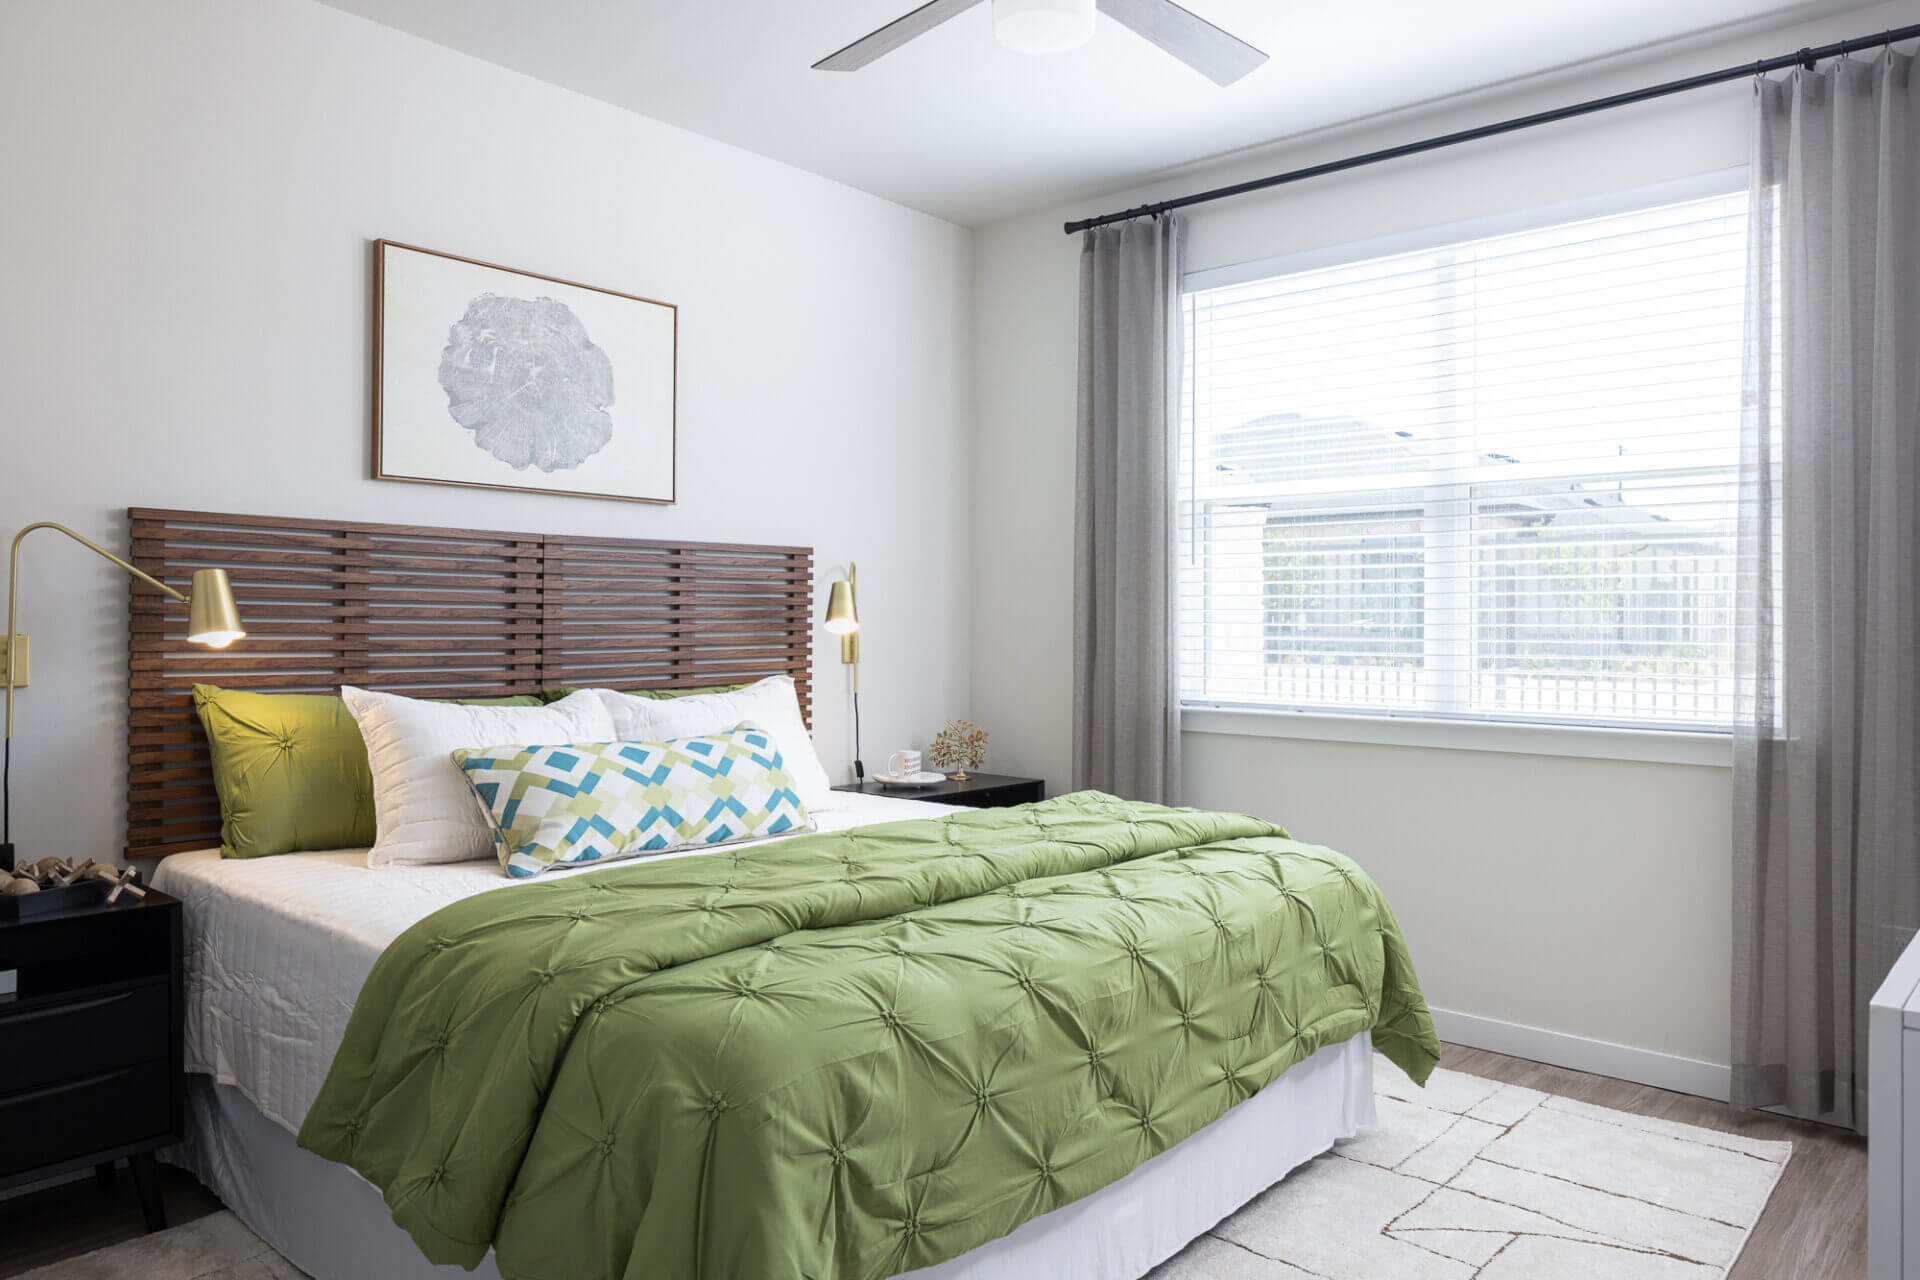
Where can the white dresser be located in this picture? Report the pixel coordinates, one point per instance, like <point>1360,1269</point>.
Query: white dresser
<point>1893,1121</point>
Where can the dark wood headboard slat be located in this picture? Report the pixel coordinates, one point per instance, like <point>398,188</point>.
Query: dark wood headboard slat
<point>433,613</point>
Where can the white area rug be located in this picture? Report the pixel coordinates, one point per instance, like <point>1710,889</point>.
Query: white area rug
<point>1473,1178</point>
<point>215,1247</point>
<point>1468,1179</point>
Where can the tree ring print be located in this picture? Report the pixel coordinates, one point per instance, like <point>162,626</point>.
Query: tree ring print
<point>524,377</point>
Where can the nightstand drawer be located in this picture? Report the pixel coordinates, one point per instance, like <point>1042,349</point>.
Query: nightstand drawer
<point>83,1034</point>
<point>997,797</point>
<point>78,1117</point>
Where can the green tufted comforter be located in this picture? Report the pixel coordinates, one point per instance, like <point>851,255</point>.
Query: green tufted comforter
<point>847,1055</point>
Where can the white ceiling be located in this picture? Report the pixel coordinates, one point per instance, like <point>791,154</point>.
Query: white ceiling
<point>962,128</point>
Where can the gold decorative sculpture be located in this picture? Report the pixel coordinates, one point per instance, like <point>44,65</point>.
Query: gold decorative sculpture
<point>959,747</point>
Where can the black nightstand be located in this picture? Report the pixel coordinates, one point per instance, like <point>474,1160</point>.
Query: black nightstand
<point>91,1066</point>
<point>979,791</point>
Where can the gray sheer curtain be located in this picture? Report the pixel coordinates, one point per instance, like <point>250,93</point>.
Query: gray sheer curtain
<point>1827,827</point>
<point>1126,710</point>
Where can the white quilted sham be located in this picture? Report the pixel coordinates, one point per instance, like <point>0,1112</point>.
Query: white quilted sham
<point>277,947</point>
<point>421,804</point>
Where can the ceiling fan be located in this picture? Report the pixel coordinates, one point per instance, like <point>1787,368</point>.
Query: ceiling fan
<point>1054,26</point>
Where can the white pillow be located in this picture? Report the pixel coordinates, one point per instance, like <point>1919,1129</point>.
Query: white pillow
<point>422,807</point>
<point>771,704</point>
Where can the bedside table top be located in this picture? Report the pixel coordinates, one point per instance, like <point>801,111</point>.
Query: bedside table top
<point>940,790</point>
<point>67,915</point>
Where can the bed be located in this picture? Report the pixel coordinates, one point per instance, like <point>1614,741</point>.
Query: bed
<point>282,950</point>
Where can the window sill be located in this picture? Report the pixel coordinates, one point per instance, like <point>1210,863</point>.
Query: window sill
<point>1583,741</point>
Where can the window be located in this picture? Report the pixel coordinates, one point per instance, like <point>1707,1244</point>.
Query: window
<point>1493,478</point>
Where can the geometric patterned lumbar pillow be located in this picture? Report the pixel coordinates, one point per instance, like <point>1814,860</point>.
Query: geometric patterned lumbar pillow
<point>591,802</point>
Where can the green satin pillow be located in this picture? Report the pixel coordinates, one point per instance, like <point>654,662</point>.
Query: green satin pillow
<point>291,769</point>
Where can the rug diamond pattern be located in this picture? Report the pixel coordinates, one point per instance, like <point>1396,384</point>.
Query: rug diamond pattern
<point>1471,1179</point>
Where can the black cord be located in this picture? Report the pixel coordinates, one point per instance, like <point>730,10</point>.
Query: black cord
<point>6,807</point>
<point>859,769</point>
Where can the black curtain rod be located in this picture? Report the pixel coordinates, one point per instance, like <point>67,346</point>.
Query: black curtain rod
<point>1804,58</point>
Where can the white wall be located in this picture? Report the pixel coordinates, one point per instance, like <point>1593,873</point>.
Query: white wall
<point>191,192</point>
<point>1585,898</point>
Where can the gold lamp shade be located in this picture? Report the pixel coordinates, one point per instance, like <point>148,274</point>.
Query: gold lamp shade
<point>842,617</point>
<point>213,619</point>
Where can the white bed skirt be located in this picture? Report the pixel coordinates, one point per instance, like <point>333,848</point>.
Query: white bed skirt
<point>332,1224</point>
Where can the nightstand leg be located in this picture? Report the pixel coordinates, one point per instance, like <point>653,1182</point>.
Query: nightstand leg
<point>146,1181</point>
<point>103,1176</point>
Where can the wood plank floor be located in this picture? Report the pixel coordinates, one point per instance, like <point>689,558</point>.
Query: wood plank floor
<point>1814,1228</point>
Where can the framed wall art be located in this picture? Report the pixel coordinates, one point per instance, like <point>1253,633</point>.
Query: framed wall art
<point>501,379</point>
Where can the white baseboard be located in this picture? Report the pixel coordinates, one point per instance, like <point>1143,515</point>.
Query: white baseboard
<point>1601,1057</point>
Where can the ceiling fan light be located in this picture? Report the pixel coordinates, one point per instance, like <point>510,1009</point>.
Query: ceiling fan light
<point>1043,26</point>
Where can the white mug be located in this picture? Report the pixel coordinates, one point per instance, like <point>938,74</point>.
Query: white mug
<point>903,764</point>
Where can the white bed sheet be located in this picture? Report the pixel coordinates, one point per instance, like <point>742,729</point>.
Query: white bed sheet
<point>277,948</point>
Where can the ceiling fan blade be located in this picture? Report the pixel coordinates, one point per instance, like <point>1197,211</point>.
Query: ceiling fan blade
<point>893,35</point>
<point>1219,56</point>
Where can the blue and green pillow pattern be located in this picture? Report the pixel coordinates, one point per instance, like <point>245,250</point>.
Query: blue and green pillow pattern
<point>560,806</point>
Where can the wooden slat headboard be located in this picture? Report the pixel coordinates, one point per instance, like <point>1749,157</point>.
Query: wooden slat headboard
<point>432,613</point>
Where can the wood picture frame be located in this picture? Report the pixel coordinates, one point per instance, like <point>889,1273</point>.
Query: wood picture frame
<point>458,344</point>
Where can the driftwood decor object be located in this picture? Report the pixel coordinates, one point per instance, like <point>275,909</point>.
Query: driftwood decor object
<point>53,884</point>
<point>433,613</point>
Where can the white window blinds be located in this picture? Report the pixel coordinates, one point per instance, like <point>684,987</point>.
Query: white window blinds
<point>1493,479</point>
